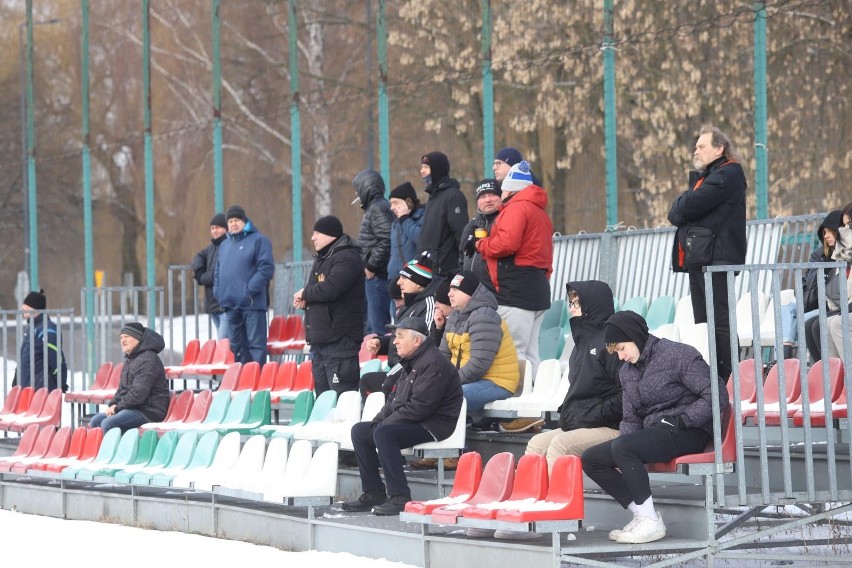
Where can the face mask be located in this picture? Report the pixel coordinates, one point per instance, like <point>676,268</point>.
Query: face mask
<point>427,180</point>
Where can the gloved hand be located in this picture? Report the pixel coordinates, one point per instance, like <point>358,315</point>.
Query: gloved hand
<point>470,245</point>
<point>671,422</point>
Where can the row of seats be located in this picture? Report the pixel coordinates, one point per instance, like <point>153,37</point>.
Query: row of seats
<point>25,406</point>
<point>211,358</point>
<point>543,393</point>
<point>286,333</point>
<point>224,411</point>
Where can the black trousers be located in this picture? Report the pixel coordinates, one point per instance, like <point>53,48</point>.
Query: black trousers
<point>721,314</point>
<point>335,366</point>
<point>618,466</point>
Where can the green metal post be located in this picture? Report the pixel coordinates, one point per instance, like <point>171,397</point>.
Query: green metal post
<point>295,128</point>
<point>487,92</point>
<point>760,149</point>
<point>150,265</point>
<point>218,175</point>
<point>32,201</point>
<point>609,118</point>
<point>88,241</point>
<point>384,128</point>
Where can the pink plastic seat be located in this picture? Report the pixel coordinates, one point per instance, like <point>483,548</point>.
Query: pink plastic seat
<point>729,451</point>
<point>112,386</point>
<point>771,387</point>
<point>73,451</point>
<point>815,391</point>
<point>193,354</point>
<point>11,400</point>
<point>564,499</point>
<point>58,448</point>
<point>748,388</point>
<point>50,413</point>
<point>231,377</point>
<point>836,374</point>
<point>25,445</point>
<point>42,443</point>
<point>100,383</point>
<point>94,437</point>
<point>531,483</point>
<point>196,414</point>
<point>495,485</point>
<point>32,410</point>
<point>468,476</point>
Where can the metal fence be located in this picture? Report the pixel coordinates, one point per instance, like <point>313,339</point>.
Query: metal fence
<point>13,325</point>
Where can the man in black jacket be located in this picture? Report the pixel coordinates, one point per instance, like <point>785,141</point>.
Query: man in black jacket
<point>424,408</point>
<point>204,268</point>
<point>711,221</point>
<point>374,238</point>
<point>445,216</point>
<point>488,200</point>
<point>334,304</point>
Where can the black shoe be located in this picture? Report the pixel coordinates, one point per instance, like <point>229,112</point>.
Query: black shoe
<point>347,459</point>
<point>486,424</point>
<point>365,502</point>
<point>393,506</point>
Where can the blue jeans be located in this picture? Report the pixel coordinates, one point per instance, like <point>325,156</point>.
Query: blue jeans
<point>789,322</point>
<point>379,445</point>
<point>247,333</point>
<point>479,393</point>
<point>123,419</point>
<point>220,322</point>
<point>378,300</point>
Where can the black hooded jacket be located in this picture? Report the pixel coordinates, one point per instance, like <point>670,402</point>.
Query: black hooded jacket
<point>443,225</point>
<point>374,235</point>
<point>476,263</point>
<point>594,397</point>
<point>143,385</point>
<point>204,269</point>
<point>420,305</point>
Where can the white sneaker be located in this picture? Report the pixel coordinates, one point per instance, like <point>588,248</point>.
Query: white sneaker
<point>644,530</point>
<point>615,533</point>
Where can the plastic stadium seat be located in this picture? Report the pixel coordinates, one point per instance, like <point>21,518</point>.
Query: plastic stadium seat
<point>465,484</point>
<point>91,448</point>
<point>203,355</point>
<point>455,441</point>
<point>181,407</point>
<point>73,450</point>
<point>237,413</point>
<point>555,315</point>
<point>58,447</point>
<point>249,461</point>
<point>304,381</point>
<point>661,311</point>
<point>100,383</point>
<point>50,414</point>
<point>132,449</point>
<point>248,376</point>
<point>231,377</point>
<point>32,410</point>
<point>668,331</point>
<point>302,408</point>
<point>298,461</point>
<point>275,335</point>
<point>371,366</point>
<point>161,455</point>
<point>683,312</point>
<point>748,388</point>
<point>100,397</point>
<point>729,451</point>
<point>284,378</point>
<point>25,445</point>
<point>346,413</point>
<point>216,412</point>
<point>202,457</point>
<point>197,412</point>
<point>637,304</point>
<point>259,414</point>
<point>496,483</point>
<point>226,456</point>
<point>543,392</point>
<point>180,458</point>
<point>266,380</point>
<point>745,331</point>
<point>564,499</point>
<point>322,406</point>
<point>815,391</point>
<point>772,388</point>
<point>551,341</point>
<point>106,451</point>
<point>39,449</point>
<point>222,357</point>
<point>320,479</point>
<point>696,335</point>
<point>274,466</point>
<point>374,403</point>
<point>530,485</point>
<point>11,400</point>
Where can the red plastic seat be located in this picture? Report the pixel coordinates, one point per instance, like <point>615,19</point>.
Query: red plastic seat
<point>58,448</point>
<point>729,451</point>
<point>197,413</point>
<point>284,379</point>
<point>33,409</point>
<point>277,336</point>
<point>364,354</point>
<point>748,388</point>
<point>297,338</point>
<point>530,483</point>
<point>39,448</point>
<point>194,354</point>
<point>495,485</point>
<point>190,352</point>
<point>72,451</point>
<point>101,379</point>
<point>248,376</point>
<point>181,407</point>
<point>771,386</point>
<point>25,445</point>
<point>111,387</point>
<point>94,437</point>
<point>564,499</point>
<point>836,373</point>
<point>220,360</point>
<point>266,381</point>
<point>11,400</point>
<point>50,413</point>
<point>231,377</point>
<point>468,476</point>
<point>815,390</point>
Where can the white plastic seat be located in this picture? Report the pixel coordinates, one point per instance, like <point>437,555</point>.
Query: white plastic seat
<point>274,466</point>
<point>298,461</point>
<point>320,478</point>
<point>226,456</point>
<point>668,331</point>
<point>455,440</point>
<point>696,335</point>
<point>345,415</point>
<point>683,312</point>
<point>543,390</point>
<point>745,331</point>
<point>249,463</point>
<point>374,403</point>
<point>767,325</point>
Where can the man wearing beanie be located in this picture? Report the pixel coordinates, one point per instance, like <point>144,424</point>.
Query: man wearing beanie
<point>241,285</point>
<point>504,159</point>
<point>143,391</point>
<point>667,412</point>
<point>204,268</point>
<point>445,216</point>
<point>488,200</point>
<point>335,304</point>
<point>405,231</point>
<point>40,339</point>
<point>519,255</point>
<point>374,238</point>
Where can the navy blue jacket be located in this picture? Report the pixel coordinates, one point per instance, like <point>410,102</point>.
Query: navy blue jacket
<point>243,271</point>
<point>56,366</point>
<point>404,239</point>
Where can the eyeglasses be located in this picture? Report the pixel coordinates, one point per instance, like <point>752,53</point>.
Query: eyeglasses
<point>498,163</point>
<point>574,304</point>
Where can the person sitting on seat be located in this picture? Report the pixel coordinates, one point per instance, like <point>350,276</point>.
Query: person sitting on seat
<point>424,407</point>
<point>667,413</point>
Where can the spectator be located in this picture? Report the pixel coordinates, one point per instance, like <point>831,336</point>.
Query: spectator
<point>405,231</point>
<point>445,216</point>
<point>711,216</point>
<point>488,200</point>
<point>667,412</point>
<point>374,238</point>
<point>443,309</point>
<point>241,285</point>
<point>519,253</point>
<point>591,410</point>
<point>47,341</point>
<point>204,268</point>
<point>334,303</point>
<point>143,393</point>
<point>422,410</point>
<point>503,162</point>
<point>842,252</point>
<point>415,282</point>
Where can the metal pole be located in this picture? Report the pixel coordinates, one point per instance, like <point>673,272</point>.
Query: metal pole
<point>218,174</point>
<point>384,128</point>
<point>24,147</point>
<point>150,264</point>
<point>609,118</point>
<point>87,193</point>
<point>760,149</point>
<point>487,92</point>
<point>31,169</point>
<point>295,128</point>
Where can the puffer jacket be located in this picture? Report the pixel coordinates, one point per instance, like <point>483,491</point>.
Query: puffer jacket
<point>374,235</point>
<point>477,341</point>
<point>669,379</point>
<point>244,269</point>
<point>594,394</point>
<point>443,225</point>
<point>334,294</point>
<point>143,385</point>
<point>476,263</point>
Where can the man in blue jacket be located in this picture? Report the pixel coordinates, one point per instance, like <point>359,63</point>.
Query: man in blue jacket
<point>40,341</point>
<point>241,284</point>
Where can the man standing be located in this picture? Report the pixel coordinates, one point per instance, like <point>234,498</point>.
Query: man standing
<point>445,216</point>
<point>43,333</point>
<point>374,238</point>
<point>204,268</point>
<point>334,304</point>
<point>488,200</point>
<point>424,408</point>
<point>519,253</point>
<point>241,284</point>
<point>503,162</point>
<point>711,220</point>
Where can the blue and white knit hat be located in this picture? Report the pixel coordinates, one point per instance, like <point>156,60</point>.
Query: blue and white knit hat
<point>518,178</point>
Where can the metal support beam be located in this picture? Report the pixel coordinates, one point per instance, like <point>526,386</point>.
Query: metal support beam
<point>295,129</point>
<point>609,118</point>
<point>760,148</point>
<point>487,92</point>
<point>218,174</point>
<point>384,115</point>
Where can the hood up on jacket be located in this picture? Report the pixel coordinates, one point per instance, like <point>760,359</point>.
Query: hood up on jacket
<point>369,186</point>
<point>596,304</point>
<point>151,341</point>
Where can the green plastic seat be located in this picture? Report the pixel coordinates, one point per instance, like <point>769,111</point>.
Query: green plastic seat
<point>125,453</point>
<point>148,444</point>
<point>182,455</point>
<point>217,411</point>
<point>238,411</point>
<point>660,312</point>
<point>550,343</point>
<point>371,366</point>
<point>638,304</point>
<point>555,315</point>
<point>203,457</point>
<point>324,404</point>
<point>302,408</point>
<point>260,414</point>
<point>106,450</point>
<point>162,455</point>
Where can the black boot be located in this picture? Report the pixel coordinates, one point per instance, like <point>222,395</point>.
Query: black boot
<point>788,351</point>
<point>365,502</point>
<point>393,506</point>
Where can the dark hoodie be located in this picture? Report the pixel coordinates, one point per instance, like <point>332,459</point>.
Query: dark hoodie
<point>594,395</point>
<point>374,235</point>
<point>445,217</point>
<point>143,385</point>
<point>832,221</point>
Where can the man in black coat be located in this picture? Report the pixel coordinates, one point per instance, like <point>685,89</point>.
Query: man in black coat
<point>204,269</point>
<point>488,201</point>
<point>445,217</point>
<point>334,304</point>
<point>710,217</point>
<point>424,408</point>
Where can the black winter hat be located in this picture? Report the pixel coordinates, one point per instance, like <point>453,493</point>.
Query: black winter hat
<point>36,300</point>
<point>235,211</point>
<point>487,186</point>
<point>623,327</point>
<point>329,225</point>
<point>442,292</point>
<point>404,191</point>
<point>133,329</point>
<point>439,164</point>
<point>219,220</point>
<point>418,271</point>
<point>509,155</point>
<point>466,281</point>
